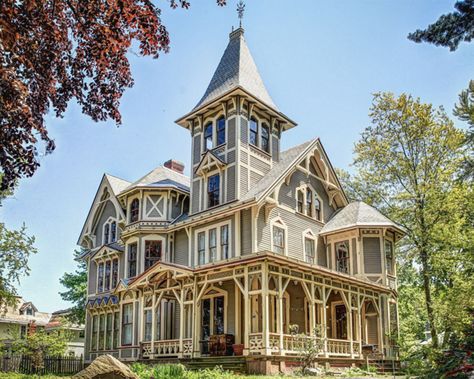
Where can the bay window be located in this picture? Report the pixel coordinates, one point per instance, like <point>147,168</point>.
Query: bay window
<point>342,256</point>
<point>132,260</point>
<point>100,279</point>
<point>114,273</point>
<point>108,336</point>
<point>134,210</point>
<point>107,275</point>
<point>127,324</point>
<point>152,253</point>
<point>389,256</point>
<point>213,243</point>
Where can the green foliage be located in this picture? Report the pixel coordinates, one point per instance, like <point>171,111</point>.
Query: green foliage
<point>178,371</point>
<point>76,290</point>
<point>450,29</point>
<point>464,110</point>
<point>15,375</point>
<point>41,344</point>
<point>15,249</point>
<point>308,347</point>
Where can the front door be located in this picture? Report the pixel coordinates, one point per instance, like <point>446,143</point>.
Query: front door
<point>341,322</point>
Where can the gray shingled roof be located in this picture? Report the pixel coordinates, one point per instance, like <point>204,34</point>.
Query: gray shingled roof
<point>236,68</point>
<point>162,177</point>
<point>117,184</point>
<point>356,214</point>
<point>287,159</point>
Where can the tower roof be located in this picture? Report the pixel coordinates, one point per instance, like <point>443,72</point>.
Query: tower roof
<point>236,69</point>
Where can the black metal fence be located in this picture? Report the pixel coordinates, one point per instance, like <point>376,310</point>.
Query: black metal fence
<point>65,365</point>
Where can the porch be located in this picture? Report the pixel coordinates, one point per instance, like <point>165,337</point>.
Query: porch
<point>265,307</point>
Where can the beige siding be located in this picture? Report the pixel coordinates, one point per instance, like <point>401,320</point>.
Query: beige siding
<point>181,247</point>
<point>372,255</point>
<point>246,231</point>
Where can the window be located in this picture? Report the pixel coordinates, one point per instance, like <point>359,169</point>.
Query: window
<point>148,324</point>
<point>265,138</point>
<point>278,240</point>
<point>309,249</point>
<point>213,189</point>
<point>132,260</point>
<point>114,273</point>
<point>253,132</point>
<point>101,331</point>
<point>116,329</point>
<point>201,248</point>
<point>95,329</point>
<point>309,202</point>
<point>212,245</point>
<point>317,207</point>
<point>342,256</point>
<point>113,231</point>
<point>106,234</point>
<point>219,315</point>
<point>152,253</point>
<point>108,336</point>
<point>300,203</point>
<point>127,324</point>
<point>107,275</point>
<point>100,281</point>
<point>389,257</point>
<point>134,210</point>
<point>225,241</point>
<point>23,331</point>
<point>221,131</point>
<point>208,137</point>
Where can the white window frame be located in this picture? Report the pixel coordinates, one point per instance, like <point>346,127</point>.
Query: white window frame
<point>206,187</point>
<point>309,234</point>
<point>260,121</point>
<point>132,241</point>
<point>213,122</point>
<point>150,237</point>
<point>215,292</point>
<point>278,222</point>
<point>129,208</point>
<point>349,250</point>
<point>218,241</point>
<point>109,222</point>
<point>303,188</point>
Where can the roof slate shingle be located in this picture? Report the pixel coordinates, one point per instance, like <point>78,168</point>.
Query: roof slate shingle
<point>236,68</point>
<point>162,177</point>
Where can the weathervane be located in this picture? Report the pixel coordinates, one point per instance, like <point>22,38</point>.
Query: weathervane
<point>240,11</point>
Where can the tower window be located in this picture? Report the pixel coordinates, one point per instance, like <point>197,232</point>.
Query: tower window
<point>134,210</point>
<point>132,260</point>
<point>208,137</point>
<point>265,138</point>
<point>221,131</point>
<point>253,131</point>
<point>213,190</point>
<point>152,253</point>
<point>342,257</point>
<point>389,257</point>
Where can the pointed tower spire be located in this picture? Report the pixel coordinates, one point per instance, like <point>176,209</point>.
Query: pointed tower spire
<point>236,69</point>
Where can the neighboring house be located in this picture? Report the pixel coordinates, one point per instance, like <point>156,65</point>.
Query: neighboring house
<point>20,319</point>
<point>59,323</point>
<point>256,240</point>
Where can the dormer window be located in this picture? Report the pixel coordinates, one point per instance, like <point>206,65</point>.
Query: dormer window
<point>253,132</point>
<point>208,136</point>
<point>308,202</point>
<point>220,131</point>
<point>265,140</point>
<point>213,190</point>
<point>134,210</point>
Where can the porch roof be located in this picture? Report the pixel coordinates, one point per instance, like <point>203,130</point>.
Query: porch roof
<point>177,270</point>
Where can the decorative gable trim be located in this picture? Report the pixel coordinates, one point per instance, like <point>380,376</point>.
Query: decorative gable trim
<point>209,162</point>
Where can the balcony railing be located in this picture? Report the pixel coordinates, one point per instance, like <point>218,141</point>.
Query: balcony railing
<point>166,348</point>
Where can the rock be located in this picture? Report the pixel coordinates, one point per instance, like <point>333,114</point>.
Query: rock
<point>106,367</point>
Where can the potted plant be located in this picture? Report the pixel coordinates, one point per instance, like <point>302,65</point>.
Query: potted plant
<point>238,348</point>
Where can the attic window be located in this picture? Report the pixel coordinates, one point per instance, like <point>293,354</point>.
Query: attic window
<point>208,137</point>
<point>221,131</point>
<point>308,202</point>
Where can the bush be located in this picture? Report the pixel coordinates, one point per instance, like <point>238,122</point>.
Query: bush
<point>177,371</point>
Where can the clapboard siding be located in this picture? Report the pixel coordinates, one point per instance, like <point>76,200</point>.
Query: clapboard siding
<point>231,132</point>
<point>254,178</point>
<point>321,253</point>
<point>195,192</point>
<point>181,247</point>
<point>275,148</point>
<point>246,231</point>
<point>244,132</point>
<point>197,148</point>
<point>259,164</point>
<point>231,183</point>
<point>244,180</point>
<point>372,255</point>
<point>354,256</point>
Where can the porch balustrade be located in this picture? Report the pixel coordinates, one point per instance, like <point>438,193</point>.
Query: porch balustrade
<point>167,348</point>
<point>339,347</point>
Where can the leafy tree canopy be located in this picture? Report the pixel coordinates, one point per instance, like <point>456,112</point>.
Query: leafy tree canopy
<point>76,290</point>
<point>450,29</point>
<point>54,51</point>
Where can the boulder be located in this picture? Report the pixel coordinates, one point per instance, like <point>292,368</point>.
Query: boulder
<point>106,367</point>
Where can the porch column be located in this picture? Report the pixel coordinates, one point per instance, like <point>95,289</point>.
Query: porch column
<point>238,336</point>
<point>196,321</point>
<point>182,318</point>
<point>349,320</point>
<point>280,313</point>
<point>380,325</point>
<point>265,311</point>
<point>359,322</point>
<point>325,324</point>
<point>153,326</point>
<point>246,311</point>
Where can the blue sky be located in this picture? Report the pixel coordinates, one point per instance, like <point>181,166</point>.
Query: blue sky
<point>321,62</point>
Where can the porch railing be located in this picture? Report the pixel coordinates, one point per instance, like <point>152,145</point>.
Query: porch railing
<point>339,347</point>
<point>166,348</point>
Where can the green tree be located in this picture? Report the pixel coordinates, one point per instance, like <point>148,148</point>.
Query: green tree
<point>450,29</point>
<point>76,290</point>
<point>406,161</point>
<point>464,110</point>
<point>15,249</point>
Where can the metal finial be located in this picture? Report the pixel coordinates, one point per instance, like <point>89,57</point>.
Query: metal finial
<point>240,11</point>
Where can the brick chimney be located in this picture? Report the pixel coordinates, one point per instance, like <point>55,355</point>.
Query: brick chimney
<point>175,165</point>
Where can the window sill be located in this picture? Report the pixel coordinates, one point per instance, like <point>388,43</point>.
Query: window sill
<point>322,223</point>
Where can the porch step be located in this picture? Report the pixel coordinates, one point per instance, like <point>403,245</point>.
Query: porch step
<point>387,366</point>
<point>234,364</point>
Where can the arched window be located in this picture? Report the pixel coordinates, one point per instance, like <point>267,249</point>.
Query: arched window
<point>265,140</point>
<point>134,210</point>
<point>213,191</point>
<point>279,236</point>
<point>208,137</point>
<point>342,256</point>
<point>253,131</point>
<point>221,131</point>
<point>113,231</point>
<point>317,208</point>
<point>309,202</point>
<point>309,239</point>
<point>300,201</point>
<point>106,233</point>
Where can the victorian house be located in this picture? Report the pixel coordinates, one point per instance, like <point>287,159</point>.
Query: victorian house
<point>256,243</point>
